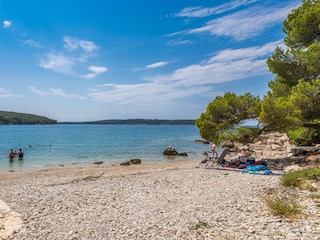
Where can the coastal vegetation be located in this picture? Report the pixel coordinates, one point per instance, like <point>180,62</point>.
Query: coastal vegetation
<point>14,118</point>
<point>302,179</point>
<point>292,104</point>
<point>283,206</point>
<point>285,203</point>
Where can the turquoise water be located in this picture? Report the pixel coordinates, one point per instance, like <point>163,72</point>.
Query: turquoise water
<point>51,146</point>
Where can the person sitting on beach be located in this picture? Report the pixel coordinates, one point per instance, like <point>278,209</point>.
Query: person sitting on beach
<point>20,154</point>
<point>214,151</point>
<point>12,154</point>
<point>242,156</point>
<point>242,153</point>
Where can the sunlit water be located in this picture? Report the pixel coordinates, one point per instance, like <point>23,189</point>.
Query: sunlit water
<point>55,146</point>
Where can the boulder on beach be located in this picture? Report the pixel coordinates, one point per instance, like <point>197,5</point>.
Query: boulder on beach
<point>131,161</point>
<point>135,161</point>
<point>171,151</point>
<point>125,163</point>
<point>183,154</point>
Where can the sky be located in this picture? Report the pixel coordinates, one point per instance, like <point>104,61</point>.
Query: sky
<point>124,59</point>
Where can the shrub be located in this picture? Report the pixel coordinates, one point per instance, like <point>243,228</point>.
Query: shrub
<point>284,207</point>
<point>304,136</point>
<point>199,225</point>
<point>299,178</point>
<point>315,196</point>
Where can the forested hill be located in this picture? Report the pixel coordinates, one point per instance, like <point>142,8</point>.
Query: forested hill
<point>138,122</point>
<point>14,118</point>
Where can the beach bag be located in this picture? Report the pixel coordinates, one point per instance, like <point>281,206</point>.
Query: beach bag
<point>250,161</point>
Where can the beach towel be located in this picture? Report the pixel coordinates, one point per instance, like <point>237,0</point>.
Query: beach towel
<point>256,167</point>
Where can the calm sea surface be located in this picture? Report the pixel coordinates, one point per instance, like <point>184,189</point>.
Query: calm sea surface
<point>50,146</point>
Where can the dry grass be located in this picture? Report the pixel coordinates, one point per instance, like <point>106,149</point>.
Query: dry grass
<point>283,206</point>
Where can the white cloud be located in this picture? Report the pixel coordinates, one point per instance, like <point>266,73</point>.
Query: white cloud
<point>205,11</point>
<point>82,49</point>
<point>6,93</point>
<point>58,63</point>
<point>75,52</point>
<point>241,25</point>
<point>31,43</point>
<point>72,44</point>
<point>141,100</point>
<point>254,52</point>
<point>143,93</point>
<point>62,93</point>
<point>151,66</point>
<point>39,92</point>
<point>176,42</point>
<point>78,49</point>
<point>7,24</point>
<point>156,65</point>
<point>56,92</point>
<point>227,65</point>
<point>245,24</point>
<point>194,80</point>
<point>96,71</point>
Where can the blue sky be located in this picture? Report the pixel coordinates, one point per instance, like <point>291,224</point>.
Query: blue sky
<point>157,59</point>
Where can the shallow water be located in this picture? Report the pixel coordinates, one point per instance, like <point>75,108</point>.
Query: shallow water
<point>47,146</point>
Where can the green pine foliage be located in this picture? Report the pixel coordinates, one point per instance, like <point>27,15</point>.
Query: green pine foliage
<point>226,114</point>
<point>292,105</point>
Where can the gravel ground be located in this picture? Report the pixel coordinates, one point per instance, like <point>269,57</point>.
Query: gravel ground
<point>159,201</point>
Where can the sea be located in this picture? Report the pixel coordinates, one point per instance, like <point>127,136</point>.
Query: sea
<point>67,145</point>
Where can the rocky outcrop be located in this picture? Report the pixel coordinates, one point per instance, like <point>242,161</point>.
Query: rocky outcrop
<point>271,146</point>
<point>280,153</point>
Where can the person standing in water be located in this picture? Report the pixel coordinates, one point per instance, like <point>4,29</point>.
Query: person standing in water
<point>20,154</point>
<point>12,154</point>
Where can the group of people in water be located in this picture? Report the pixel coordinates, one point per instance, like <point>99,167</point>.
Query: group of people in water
<point>13,154</point>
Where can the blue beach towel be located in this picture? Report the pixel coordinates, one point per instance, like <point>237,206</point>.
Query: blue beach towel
<point>257,167</point>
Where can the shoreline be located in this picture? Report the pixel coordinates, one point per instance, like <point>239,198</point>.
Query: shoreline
<point>89,167</point>
<point>146,201</point>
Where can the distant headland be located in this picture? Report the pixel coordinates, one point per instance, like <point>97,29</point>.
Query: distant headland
<point>15,118</point>
<point>138,122</point>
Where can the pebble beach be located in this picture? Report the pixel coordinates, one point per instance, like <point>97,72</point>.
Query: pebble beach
<point>179,200</point>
